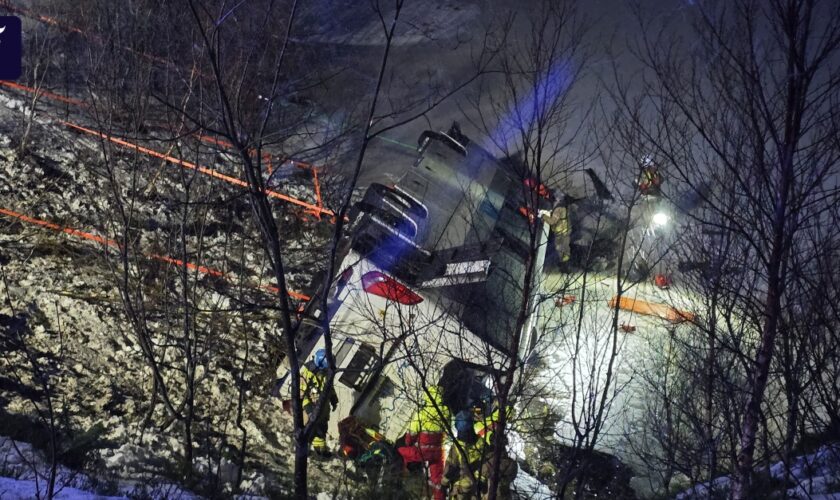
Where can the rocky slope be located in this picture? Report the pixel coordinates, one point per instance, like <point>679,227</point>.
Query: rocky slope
<point>69,342</point>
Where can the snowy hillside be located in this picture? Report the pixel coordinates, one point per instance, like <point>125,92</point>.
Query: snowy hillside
<point>814,476</point>
<point>68,341</point>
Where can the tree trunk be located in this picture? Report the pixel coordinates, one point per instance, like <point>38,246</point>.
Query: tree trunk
<point>763,358</point>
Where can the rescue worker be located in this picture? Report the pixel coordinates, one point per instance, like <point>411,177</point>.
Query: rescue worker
<point>313,378</point>
<point>485,426</point>
<point>424,439</point>
<point>558,223</point>
<point>458,479</point>
<point>462,459</point>
<point>650,180</point>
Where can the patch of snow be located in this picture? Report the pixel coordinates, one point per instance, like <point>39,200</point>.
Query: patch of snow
<point>516,446</point>
<point>817,476</point>
<point>808,486</point>
<point>25,489</point>
<point>25,473</point>
<point>710,489</point>
<point>527,486</point>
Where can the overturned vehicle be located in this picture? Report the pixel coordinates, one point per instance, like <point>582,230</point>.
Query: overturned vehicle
<point>430,284</point>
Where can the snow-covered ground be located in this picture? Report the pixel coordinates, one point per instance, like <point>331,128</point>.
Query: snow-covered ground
<point>815,476</point>
<point>575,364</point>
<point>581,352</point>
<point>84,347</point>
<point>25,473</point>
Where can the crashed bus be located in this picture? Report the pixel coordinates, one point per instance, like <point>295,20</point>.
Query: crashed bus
<point>429,285</point>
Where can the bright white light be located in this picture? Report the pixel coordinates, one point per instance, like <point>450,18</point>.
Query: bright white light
<point>660,219</point>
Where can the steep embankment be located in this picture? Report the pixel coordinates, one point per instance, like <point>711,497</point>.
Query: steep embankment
<point>80,324</point>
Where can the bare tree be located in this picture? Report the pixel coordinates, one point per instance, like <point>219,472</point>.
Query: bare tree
<point>538,124</point>
<point>742,115</point>
<point>229,112</point>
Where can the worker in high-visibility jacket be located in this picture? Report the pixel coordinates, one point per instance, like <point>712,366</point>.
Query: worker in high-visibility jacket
<point>313,379</point>
<point>424,439</point>
<point>650,180</point>
<point>485,428</point>
<point>463,459</point>
<point>560,231</point>
<point>459,475</point>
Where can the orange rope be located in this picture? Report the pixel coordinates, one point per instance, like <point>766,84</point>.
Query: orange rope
<point>316,210</point>
<point>113,244</point>
<point>212,140</point>
<point>317,187</point>
<point>45,93</point>
<point>192,166</point>
<point>267,160</point>
<point>60,229</point>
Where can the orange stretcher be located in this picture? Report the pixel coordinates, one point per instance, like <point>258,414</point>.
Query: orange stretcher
<point>663,311</point>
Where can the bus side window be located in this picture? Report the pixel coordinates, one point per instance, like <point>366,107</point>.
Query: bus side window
<point>359,368</point>
<point>308,334</point>
<point>342,351</point>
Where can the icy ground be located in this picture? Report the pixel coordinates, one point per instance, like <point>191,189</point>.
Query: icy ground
<point>24,474</point>
<point>815,476</point>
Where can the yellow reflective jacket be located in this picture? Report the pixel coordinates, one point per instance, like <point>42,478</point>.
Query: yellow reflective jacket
<point>484,426</point>
<point>433,416</point>
<point>312,384</point>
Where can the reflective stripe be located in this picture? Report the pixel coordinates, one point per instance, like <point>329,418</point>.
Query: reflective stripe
<point>312,386</point>
<point>485,426</point>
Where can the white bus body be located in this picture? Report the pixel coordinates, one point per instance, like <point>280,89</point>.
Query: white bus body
<point>433,271</point>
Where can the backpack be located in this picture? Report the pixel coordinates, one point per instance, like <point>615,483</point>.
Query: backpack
<point>365,446</point>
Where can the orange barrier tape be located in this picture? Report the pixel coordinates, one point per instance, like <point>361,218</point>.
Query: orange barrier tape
<point>113,244</point>
<point>317,210</point>
<point>60,229</point>
<point>663,311</point>
<point>267,159</point>
<point>44,93</point>
<point>192,166</point>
